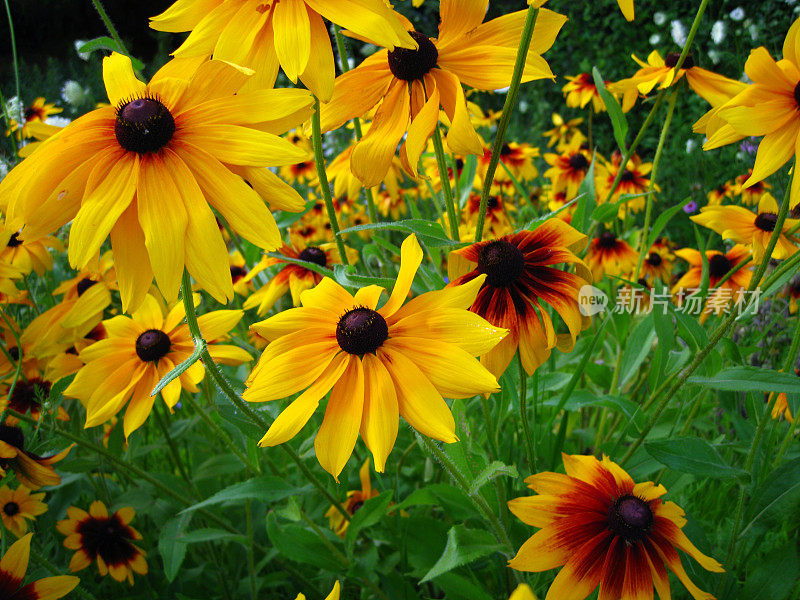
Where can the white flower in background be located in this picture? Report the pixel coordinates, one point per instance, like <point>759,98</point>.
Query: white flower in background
<point>737,14</point>
<point>523,106</point>
<point>58,121</point>
<point>4,167</point>
<point>78,45</point>
<point>753,29</point>
<point>73,94</point>
<point>691,144</point>
<point>678,32</point>
<point>715,56</point>
<point>659,18</point>
<point>14,108</point>
<point>718,32</point>
<point>655,39</point>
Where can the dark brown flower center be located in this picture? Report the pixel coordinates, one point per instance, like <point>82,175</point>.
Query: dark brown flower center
<point>505,149</point>
<point>766,221</point>
<point>30,113</point>
<point>578,162</point>
<point>654,259</point>
<point>84,284</point>
<point>630,518</point>
<point>107,538</point>
<point>11,508</point>
<point>14,241</point>
<point>12,436</point>
<point>143,125</point>
<point>502,262</point>
<point>408,64</point>
<point>28,395</point>
<point>152,345</point>
<point>237,273</point>
<point>627,176</point>
<point>672,59</point>
<point>14,353</point>
<point>314,255</point>
<point>355,507</point>
<point>797,95</point>
<point>361,330</point>
<point>607,240</point>
<point>718,265</point>
<point>492,202</point>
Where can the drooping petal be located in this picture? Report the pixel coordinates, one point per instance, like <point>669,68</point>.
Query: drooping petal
<point>121,84</point>
<point>380,419</point>
<point>292,36</point>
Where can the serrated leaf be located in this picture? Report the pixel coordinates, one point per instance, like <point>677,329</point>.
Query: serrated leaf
<point>463,547</point>
<point>750,379</point>
<point>264,489</point>
<point>493,471</point>
<point>694,456</point>
<point>347,276</point>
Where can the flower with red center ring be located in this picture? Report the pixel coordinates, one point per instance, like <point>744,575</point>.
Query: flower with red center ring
<point>355,500</point>
<point>13,565</point>
<point>633,181</point>
<point>610,255</point>
<point>605,530</point>
<point>750,194</point>
<point>521,280</point>
<point>568,169</point>
<point>32,471</point>
<point>19,506</point>
<point>580,90</point>
<point>37,112</point>
<point>96,536</point>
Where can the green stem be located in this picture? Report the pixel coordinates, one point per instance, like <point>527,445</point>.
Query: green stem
<point>324,185</point>
<point>447,191</point>
<point>523,413</point>
<point>251,560</point>
<point>173,449</point>
<point>18,370</point>
<point>225,387</point>
<point>715,337</point>
<point>648,212</point>
<point>508,109</point>
<point>787,439</point>
<point>14,56</point>
<point>110,26</point>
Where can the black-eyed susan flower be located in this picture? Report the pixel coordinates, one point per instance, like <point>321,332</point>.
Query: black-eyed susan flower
<point>792,291</point>
<point>28,256</point>
<point>239,271</point>
<point>580,90</point>
<point>781,406</point>
<point>657,71</point>
<point>355,500</point>
<point>138,352</point>
<point>750,229</point>
<point>265,36</point>
<point>108,540</point>
<point>766,108</point>
<point>518,158</point>
<point>13,565</point>
<point>633,180</point>
<point>522,281</point>
<point>380,363</point>
<point>750,194</point>
<point>19,506</point>
<point>32,470</point>
<point>412,85</point>
<point>719,265</point>
<point>563,131</point>
<point>37,112</point>
<point>604,530</point>
<point>610,255</point>
<point>30,390</point>
<point>569,168</point>
<point>496,218</point>
<point>292,277</point>
<point>147,170</point>
<point>719,193</point>
<point>659,262</point>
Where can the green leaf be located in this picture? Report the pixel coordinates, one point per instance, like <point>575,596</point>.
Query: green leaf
<point>300,545</point>
<point>750,379</point>
<point>638,346</point>
<point>432,233</point>
<point>463,547</point>
<point>493,471</point>
<point>777,497</point>
<point>181,368</point>
<point>618,120</point>
<point>450,498</point>
<point>264,489</point>
<point>588,200</point>
<point>109,44</point>
<point>371,512</point>
<point>694,456</point>
<point>775,576</point>
<point>172,551</point>
<point>347,276</point>
<point>605,212</point>
<point>467,178</point>
<point>210,535</point>
<point>663,219</point>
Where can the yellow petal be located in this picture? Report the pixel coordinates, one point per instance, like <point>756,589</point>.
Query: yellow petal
<point>410,260</point>
<point>121,84</point>
<point>381,416</point>
<point>134,273</point>
<point>292,36</point>
<point>320,71</point>
<point>461,137</point>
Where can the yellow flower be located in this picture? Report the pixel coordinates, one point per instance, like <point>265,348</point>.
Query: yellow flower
<point>38,112</point>
<point>19,506</point>
<point>379,362</point>
<point>412,85</point>
<point>610,255</point>
<point>355,500</point>
<point>27,256</point>
<point>580,90</point>
<point>334,595</point>
<point>138,353</point>
<point>13,566</point>
<point>290,34</point>
<point>751,229</point>
<point>146,169</point>
<point>562,130</point>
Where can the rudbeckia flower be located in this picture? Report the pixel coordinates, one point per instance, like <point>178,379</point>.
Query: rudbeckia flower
<point>610,255</point>
<point>138,352</point>
<point>580,90</point>
<point>521,280</point>
<point>781,406</point>
<point>12,572</point>
<point>37,112</point>
<point>29,392</point>
<point>290,34</point>
<point>496,218</point>
<point>32,471</point>
<point>632,181</point>
<point>604,530</point>
<point>517,157</point>
<point>145,170</point>
<point>719,265</point>
<point>766,108</point>
<point>8,289</point>
<point>792,291</point>
<point>659,262</point>
<point>750,194</point>
<point>412,85</point>
<point>568,169</point>
<point>563,131</point>
<point>719,193</point>
<point>292,277</point>
<point>379,362</point>
<point>355,500</point>
<point>28,256</point>
<point>754,230</point>
<point>96,536</point>
<point>711,87</point>
<point>19,506</point>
